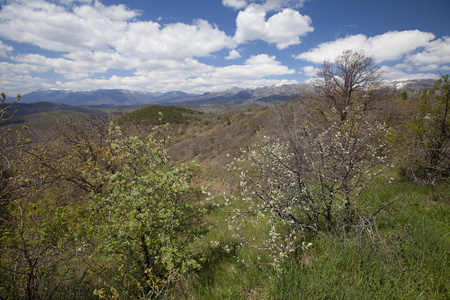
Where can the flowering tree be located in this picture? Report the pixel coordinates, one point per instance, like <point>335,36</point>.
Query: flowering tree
<point>311,176</point>
<point>310,183</point>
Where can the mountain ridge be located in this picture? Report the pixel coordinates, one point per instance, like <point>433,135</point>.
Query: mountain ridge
<point>121,97</point>
<point>236,95</point>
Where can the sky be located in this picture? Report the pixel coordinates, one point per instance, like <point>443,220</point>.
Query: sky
<point>199,46</point>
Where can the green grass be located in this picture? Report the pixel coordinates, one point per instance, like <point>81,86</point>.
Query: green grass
<point>411,261</point>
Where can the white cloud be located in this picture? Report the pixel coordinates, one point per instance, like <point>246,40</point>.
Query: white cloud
<point>68,68</point>
<point>389,46</point>
<point>436,54</point>
<point>404,66</point>
<point>283,28</point>
<point>148,40</point>
<point>195,77</point>
<point>233,55</point>
<point>12,69</point>
<point>100,28</point>
<point>16,83</point>
<point>397,74</point>
<point>53,27</point>
<point>4,49</point>
<point>310,71</point>
<point>256,67</point>
<point>236,4</point>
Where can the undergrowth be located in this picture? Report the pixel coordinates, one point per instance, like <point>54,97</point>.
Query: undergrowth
<point>410,260</point>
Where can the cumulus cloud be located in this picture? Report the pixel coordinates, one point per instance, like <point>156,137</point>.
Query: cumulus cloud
<point>283,28</point>
<point>257,66</point>
<point>98,28</point>
<point>53,27</point>
<point>236,4</point>
<point>4,49</point>
<point>389,46</point>
<point>233,55</point>
<point>16,78</point>
<point>397,74</point>
<point>310,71</point>
<point>415,53</point>
<point>68,68</point>
<point>87,39</point>
<point>176,41</point>
<point>435,55</point>
<point>195,77</point>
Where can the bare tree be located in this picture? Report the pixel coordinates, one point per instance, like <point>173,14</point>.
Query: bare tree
<point>348,80</point>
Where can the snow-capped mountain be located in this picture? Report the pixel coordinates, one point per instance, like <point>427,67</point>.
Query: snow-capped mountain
<point>117,97</point>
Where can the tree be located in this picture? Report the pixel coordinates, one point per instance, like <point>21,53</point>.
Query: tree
<point>43,238</point>
<point>310,177</point>
<point>431,129</point>
<point>348,80</point>
<point>7,142</point>
<point>146,217</point>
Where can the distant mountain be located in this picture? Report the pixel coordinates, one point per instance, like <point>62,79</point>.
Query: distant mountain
<point>21,110</point>
<point>101,97</point>
<point>413,85</point>
<point>117,97</point>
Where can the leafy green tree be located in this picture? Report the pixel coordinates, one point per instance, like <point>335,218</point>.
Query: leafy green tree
<point>145,219</point>
<point>431,129</point>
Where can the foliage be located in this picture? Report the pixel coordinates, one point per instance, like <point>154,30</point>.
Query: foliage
<point>7,142</point>
<point>412,265</point>
<point>146,217</point>
<point>43,235</point>
<point>310,183</point>
<point>158,115</point>
<point>409,262</point>
<point>76,203</point>
<point>431,129</point>
<point>39,249</point>
<point>311,177</point>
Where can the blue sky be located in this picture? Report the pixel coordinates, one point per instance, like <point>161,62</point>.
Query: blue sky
<point>211,45</point>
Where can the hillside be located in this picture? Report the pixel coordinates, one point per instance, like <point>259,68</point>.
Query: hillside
<point>83,184</point>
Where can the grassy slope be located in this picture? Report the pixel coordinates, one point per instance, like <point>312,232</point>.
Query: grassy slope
<point>410,262</point>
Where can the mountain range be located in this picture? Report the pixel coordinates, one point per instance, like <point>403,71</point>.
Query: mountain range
<point>119,97</point>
